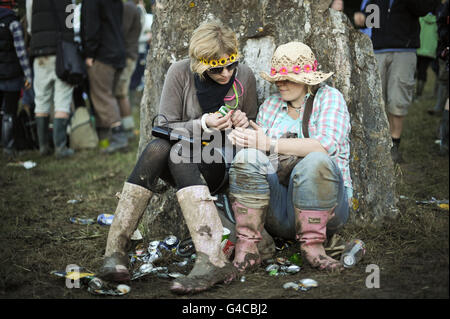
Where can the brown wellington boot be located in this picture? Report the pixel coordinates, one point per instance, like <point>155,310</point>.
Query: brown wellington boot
<point>132,204</point>
<point>211,266</point>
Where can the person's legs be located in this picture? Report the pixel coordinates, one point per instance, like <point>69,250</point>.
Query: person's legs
<point>10,102</point>
<point>250,195</point>
<point>399,96</point>
<point>205,227</point>
<point>321,206</point>
<point>134,198</point>
<point>43,85</point>
<point>122,94</point>
<point>102,79</point>
<point>442,90</point>
<point>63,99</point>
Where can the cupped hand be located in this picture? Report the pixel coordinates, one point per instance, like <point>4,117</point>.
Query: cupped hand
<point>250,137</point>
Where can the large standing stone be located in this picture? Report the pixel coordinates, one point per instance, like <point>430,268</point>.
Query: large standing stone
<point>262,25</point>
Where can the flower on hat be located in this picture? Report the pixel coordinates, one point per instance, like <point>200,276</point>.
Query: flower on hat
<point>283,71</point>
<point>213,63</point>
<point>273,71</point>
<point>296,69</point>
<point>316,64</point>
<point>307,68</point>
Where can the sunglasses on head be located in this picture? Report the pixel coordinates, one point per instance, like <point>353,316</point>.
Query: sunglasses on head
<point>219,69</point>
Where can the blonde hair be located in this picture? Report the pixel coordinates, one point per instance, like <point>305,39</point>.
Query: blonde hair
<point>211,40</point>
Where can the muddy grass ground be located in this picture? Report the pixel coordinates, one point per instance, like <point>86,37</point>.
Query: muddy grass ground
<point>412,252</point>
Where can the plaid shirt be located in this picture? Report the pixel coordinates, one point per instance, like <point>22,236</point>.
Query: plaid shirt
<point>329,124</point>
<point>19,44</point>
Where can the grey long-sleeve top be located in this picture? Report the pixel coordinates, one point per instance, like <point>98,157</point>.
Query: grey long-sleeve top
<point>179,102</point>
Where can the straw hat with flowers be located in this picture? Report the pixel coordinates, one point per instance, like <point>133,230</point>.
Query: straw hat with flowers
<point>294,61</point>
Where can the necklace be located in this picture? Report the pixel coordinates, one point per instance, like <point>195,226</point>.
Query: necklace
<point>298,110</point>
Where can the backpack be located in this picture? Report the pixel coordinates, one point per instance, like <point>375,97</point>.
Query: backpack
<point>82,133</point>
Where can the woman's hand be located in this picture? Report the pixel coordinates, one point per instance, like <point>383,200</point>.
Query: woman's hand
<point>218,121</point>
<point>239,119</point>
<point>251,138</point>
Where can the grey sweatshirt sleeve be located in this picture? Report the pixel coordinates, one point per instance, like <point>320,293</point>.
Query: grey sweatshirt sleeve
<point>172,101</point>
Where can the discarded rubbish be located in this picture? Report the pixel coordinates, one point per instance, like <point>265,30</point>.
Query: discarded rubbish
<point>140,249</point>
<point>153,245</point>
<point>186,248</point>
<point>73,201</point>
<point>26,164</point>
<point>227,247</point>
<point>290,284</point>
<point>176,275</point>
<point>226,233</point>
<point>96,283</point>
<point>82,221</point>
<point>105,219</point>
<point>432,201</point>
<point>353,253</point>
<point>282,267</point>
<point>136,235</point>
<point>302,285</point>
<point>272,267</point>
<point>169,242</point>
<point>281,244</point>
<point>307,283</point>
<point>120,290</point>
<point>296,259</point>
<point>293,269</point>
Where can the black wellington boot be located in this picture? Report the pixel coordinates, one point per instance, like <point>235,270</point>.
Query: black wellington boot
<point>60,138</point>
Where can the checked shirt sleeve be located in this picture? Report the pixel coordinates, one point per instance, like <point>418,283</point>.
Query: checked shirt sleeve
<point>333,123</point>
<point>19,44</point>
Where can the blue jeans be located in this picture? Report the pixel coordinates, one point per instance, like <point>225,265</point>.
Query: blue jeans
<point>316,183</point>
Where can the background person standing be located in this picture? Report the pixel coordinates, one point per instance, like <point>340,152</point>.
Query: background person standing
<point>104,49</point>
<point>49,89</point>
<point>131,31</point>
<point>14,67</point>
<point>395,44</point>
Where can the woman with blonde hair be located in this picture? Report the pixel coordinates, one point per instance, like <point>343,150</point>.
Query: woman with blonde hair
<point>211,91</point>
<point>293,175</point>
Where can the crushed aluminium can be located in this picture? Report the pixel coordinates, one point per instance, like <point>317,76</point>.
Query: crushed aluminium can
<point>105,219</point>
<point>169,242</point>
<point>82,221</point>
<point>227,247</point>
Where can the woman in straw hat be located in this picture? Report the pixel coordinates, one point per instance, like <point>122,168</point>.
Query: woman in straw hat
<point>312,203</point>
<point>194,90</point>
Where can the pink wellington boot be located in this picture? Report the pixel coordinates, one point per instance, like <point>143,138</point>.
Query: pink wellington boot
<point>249,226</point>
<point>311,233</point>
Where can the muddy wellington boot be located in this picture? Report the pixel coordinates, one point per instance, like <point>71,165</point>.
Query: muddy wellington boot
<point>42,123</point>
<point>203,221</point>
<point>311,229</point>
<point>60,138</point>
<point>132,204</point>
<point>249,228</point>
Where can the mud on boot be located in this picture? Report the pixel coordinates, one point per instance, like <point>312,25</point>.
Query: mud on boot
<point>115,268</point>
<point>203,276</point>
<point>205,227</point>
<point>311,233</point>
<point>132,204</point>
